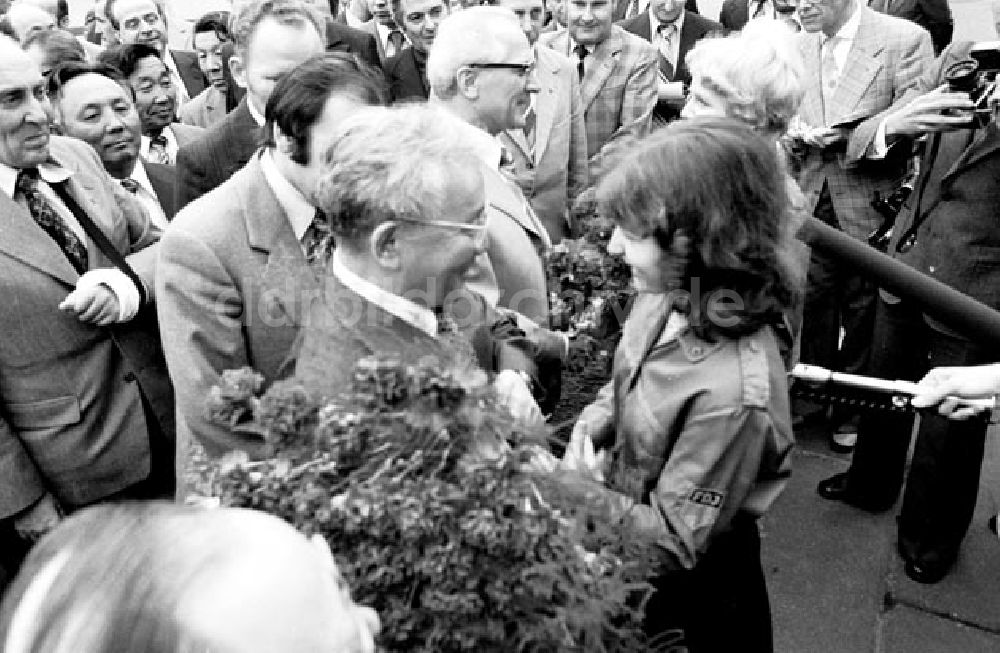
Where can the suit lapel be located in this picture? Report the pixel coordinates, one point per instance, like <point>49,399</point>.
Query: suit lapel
<point>986,143</point>
<point>22,239</point>
<point>516,138</point>
<point>812,103</point>
<point>690,33</point>
<point>545,101</point>
<point>859,70</point>
<point>602,64</point>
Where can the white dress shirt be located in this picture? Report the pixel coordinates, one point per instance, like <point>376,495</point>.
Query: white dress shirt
<point>413,314</point>
<point>175,77</point>
<point>383,36</point>
<point>298,210</point>
<point>113,278</point>
<point>172,146</point>
<point>146,195</point>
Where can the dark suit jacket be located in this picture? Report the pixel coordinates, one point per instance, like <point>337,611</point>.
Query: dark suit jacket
<point>164,181</point>
<point>958,242</point>
<point>734,14</point>
<point>695,28</point>
<point>190,72</point>
<point>342,38</point>
<point>222,150</point>
<point>933,15</point>
<point>407,75</point>
<point>72,421</point>
<point>621,8</point>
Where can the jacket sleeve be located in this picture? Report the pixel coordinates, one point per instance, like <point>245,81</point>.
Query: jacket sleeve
<point>916,57</point>
<point>706,478</point>
<point>636,119</point>
<point>199,311</point>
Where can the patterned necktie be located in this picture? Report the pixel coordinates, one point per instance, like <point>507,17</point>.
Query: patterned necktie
<point>318,242</point>
<point>48,219</point>
<point>830,75</point>
<point>158,150</point>
<point>129,184</point>
<point>667,32</point>
<point>395,42</point>
<point>529,127</point>
<point>581,52</point>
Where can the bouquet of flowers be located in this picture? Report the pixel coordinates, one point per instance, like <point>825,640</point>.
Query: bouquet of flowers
<point>433,501</point>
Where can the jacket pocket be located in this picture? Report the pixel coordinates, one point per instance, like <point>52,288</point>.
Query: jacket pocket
<point>48,413</point>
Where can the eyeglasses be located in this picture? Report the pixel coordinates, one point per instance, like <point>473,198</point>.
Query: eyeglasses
<point>476,231</point>
<point>522,68</point>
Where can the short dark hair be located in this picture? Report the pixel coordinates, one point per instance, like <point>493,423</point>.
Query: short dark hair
<point>126,58</point>
<point>300,95</point>
<point>59,46</point>
<point>213,21</point>
<point>64,72</point>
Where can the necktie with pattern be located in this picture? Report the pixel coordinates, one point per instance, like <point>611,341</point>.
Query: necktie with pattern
<point>318,241</point>
<point>529,127</point>
<point>395,42</point>
<point>666,32</point>
<point>581,53</point>
<point>129,184</point>
<point>830,75</point>
<point>46,217</point>
<point>158,150</point>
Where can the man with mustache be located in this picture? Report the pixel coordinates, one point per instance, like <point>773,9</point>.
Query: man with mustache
<point>143,21</point>
<point>77,423</point>
<point>155,99</point>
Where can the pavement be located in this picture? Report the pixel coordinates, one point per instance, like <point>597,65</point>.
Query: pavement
<point>837,584</point>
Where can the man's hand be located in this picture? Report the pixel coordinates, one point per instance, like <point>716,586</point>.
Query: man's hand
<point>95,304</point>
<point>943,386</point>
<point>516,395</point>
<point>940,110</point>
<point>39,519</point>
<point>823,137</point>
<point>580,454</point>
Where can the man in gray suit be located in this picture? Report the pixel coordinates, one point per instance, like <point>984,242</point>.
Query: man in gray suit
<point>155,99</point>
<point>389,38</point>
<point>859,63</point>
<point>234,274</point>
<point>482,70</point>
<point>550,152</point>
<point>77,424</point>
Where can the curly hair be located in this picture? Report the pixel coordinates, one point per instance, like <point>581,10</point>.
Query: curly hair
<point>712,191</point>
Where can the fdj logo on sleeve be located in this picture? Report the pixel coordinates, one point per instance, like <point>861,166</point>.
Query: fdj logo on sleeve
<point>709,498</point>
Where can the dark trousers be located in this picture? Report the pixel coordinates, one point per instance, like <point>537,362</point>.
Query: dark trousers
<point>719,606</point>
<point>943,480</point>
<point>160,484</point>
<point>836,297</point>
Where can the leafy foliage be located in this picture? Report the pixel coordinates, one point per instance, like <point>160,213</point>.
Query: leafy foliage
<point>424,487</point>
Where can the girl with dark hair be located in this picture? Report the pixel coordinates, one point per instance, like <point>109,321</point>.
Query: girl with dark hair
<point>693,432</point>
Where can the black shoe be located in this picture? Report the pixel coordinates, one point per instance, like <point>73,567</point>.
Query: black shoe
<point>927,573</point>
<point>835,488</point>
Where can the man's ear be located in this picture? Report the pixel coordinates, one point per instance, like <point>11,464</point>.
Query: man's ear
<point>467,81</point>
<point>282,142</point>
<point>384,245</point>
<point>238,70</point>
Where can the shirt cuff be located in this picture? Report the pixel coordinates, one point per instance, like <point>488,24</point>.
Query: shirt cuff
<point>119,283</point>
<point>879,147</point>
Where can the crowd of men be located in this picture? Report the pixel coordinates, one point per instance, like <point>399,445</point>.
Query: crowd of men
<point>200,163</point>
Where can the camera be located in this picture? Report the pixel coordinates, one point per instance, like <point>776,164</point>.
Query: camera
<point>888,207</point>
<point>977,77</point>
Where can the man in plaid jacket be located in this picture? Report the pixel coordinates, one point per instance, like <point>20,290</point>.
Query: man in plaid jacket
<point>617,78</point>
<point>859,63</point>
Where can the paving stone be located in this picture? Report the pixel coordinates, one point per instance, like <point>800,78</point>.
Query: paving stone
<point>906,630</point>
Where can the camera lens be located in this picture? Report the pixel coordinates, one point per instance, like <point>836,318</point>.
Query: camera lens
<point>962,76</point>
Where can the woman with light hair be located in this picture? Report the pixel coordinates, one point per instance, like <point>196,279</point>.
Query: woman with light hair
<point>755,76</point>
<point>164,578</point>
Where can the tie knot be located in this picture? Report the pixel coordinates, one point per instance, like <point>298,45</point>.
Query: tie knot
<point>667,30</point>
<point>580,50</point>
<point>131,185</point>
<point>159,140</point>
<point>27,179</point>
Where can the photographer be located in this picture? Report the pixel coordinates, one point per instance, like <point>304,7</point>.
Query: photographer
<point>947,229</point>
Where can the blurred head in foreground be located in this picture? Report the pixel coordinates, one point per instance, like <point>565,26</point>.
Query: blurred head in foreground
<point>161,578</point>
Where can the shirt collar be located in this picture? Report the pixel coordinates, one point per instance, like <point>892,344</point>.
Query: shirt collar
<point>413,314</point>
<point>50,172</point>
<point>486,148</point>
<point>258,117</point>
<point>848,30</point>
<point>140,177</point>
<point>654,23</point>
<point>297,208</point>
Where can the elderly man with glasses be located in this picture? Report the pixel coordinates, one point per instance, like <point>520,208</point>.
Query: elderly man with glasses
<point>482,71</point>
